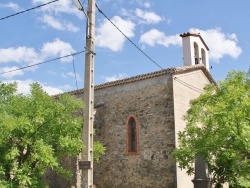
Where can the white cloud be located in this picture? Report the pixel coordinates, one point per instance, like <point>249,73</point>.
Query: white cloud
<point>156,37</point>
<point>71,27</point>
<point>57,24</point>
<point>52,22</point>
<point>11,5</point>
<point>62,6</point>
<point>10,74</point>
<point>108,36</point>
<point>115,77</point>
<point>51,14</point>
<point>232,37</point>
<point>127,13</point>
<point>29,55</point>
<point>52,90</point>
<point>26,56</point>
<point>219,43</point>
<point>57,48</point>
<point>18,55</point>
<point>147,5</point>
<point>148,17</point>
<point>24,87</point>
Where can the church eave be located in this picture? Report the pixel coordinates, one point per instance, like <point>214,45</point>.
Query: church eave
<point>170,71</point>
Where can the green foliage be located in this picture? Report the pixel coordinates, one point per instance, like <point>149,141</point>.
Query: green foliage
<point>218,129</point>
<point>99,150</point>
<point>36,132</point>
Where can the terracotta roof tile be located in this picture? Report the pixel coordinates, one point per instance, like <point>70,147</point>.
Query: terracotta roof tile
<point>171,71</point>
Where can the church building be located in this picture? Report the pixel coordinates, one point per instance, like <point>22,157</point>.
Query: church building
<point>141,118</point>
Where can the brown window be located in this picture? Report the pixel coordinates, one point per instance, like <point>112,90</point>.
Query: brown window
<point>132,135</point>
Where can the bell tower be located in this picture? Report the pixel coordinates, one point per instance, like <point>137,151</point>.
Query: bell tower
<point>195,50</point>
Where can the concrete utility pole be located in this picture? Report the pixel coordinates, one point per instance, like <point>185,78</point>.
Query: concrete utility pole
<point>86,158</point>
<point>88,131</point>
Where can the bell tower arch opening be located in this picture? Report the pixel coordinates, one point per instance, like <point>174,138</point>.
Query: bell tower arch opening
<point>196,53</point>
<point>203,57</point>
<point>195,50</point>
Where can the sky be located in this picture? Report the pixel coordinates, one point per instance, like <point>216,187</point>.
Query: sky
<point>154,26</point>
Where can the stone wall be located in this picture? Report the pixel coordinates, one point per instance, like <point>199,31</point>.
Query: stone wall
<point>151,101</point>
<point>158,101</point>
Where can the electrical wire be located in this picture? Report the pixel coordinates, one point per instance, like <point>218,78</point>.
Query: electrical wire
<point>101,13</point>
<point>189,85</point>
<point>73,54</point>
<point>73,62</point>
<point>127,37</point>
<point>28,10</point>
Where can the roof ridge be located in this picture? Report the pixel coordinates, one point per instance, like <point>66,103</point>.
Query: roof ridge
<point>172,70</point>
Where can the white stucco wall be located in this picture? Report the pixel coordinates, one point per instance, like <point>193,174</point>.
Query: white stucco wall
<point>188,51</point>
<point>186,86</point>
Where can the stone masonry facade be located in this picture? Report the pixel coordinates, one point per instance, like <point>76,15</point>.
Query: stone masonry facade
<point>151,101</point>
<point>158,101</point>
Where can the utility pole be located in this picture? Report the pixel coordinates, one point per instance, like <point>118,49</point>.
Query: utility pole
<point>88,131</point>
<point>86,158</point>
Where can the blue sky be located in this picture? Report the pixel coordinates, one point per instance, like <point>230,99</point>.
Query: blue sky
<point>58,29</point>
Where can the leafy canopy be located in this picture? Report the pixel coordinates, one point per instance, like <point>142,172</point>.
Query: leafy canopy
<point>218,129</point>
<point>36,132</point>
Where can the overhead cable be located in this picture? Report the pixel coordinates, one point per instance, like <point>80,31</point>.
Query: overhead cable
<point>127,37</point>
<point>28,10</point>
<point>73,54</point>
<point>73,62</point>
<point>188,85</point>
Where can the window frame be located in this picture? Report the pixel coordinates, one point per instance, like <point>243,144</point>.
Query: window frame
<point>128,136</point>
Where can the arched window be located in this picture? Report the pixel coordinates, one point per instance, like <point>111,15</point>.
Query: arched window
<point>196,53</point>
<point>203,57</point>
<point>132,131</point>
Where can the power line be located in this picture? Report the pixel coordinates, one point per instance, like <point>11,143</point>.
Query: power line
<point>73,62</point>
<point>101,13</point>
<point>73,54</point>
<point>28,10</point>
<point>188,85</point>
<point>126,36</point>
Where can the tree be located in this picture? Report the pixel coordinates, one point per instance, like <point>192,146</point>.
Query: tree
<point>36,132</point>
<point>218,129</point>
